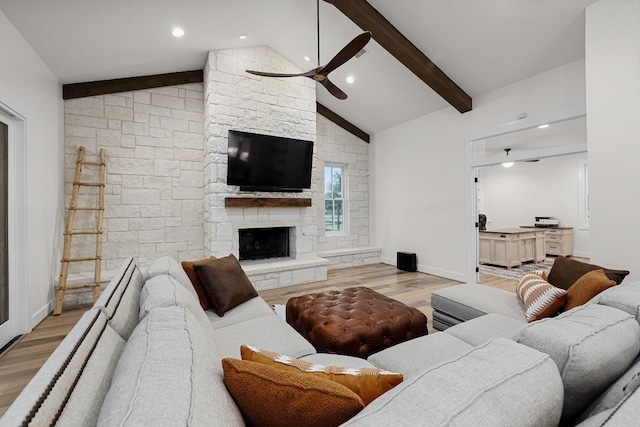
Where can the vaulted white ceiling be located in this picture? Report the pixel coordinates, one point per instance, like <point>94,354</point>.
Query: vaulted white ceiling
<point>480,45</point>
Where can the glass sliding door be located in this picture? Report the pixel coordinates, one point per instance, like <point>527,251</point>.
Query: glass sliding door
<point>4,224</point>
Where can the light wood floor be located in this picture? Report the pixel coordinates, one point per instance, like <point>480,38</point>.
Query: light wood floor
<point>20,363</point>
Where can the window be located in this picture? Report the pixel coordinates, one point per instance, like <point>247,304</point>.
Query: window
<point>334,203</point>
<point>583,196</point>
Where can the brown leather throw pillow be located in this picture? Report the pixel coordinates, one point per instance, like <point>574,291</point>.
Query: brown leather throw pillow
<point>566,271</point>
<point>189,268</point>
<point>226,283</point>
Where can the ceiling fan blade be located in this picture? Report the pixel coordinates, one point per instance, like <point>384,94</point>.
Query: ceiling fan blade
<point>265,74</point>
<point>347,52</point>
<point>333,89</point>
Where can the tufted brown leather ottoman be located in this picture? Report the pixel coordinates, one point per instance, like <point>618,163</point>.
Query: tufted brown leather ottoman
<point>354,321</point>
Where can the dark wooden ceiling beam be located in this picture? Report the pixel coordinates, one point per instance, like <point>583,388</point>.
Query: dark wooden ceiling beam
<point>344,124</point>
<point>369,19</point>
<point>103,87</point>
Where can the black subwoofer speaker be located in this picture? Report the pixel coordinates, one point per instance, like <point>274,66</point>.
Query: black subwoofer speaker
<point>407,261</point>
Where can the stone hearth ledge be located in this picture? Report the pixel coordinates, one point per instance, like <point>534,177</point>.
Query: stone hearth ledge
<point>351,257</point>
<point>282,272</point>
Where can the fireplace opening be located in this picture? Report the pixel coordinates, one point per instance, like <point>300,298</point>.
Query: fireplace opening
<point>263,243</point>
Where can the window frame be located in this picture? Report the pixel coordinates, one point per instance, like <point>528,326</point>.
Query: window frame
<point>344,185</point>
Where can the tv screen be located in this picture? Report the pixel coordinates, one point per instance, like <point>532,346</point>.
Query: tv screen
<point>268,163</point>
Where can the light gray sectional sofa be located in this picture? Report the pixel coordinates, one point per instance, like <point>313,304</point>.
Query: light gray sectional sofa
<point>595,346</point>
<point>148,354</point>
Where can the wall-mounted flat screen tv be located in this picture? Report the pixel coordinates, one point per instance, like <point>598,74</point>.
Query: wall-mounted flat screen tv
<point>268,163</point>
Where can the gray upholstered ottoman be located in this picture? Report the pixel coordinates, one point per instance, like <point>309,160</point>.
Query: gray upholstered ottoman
<point>460,303</point>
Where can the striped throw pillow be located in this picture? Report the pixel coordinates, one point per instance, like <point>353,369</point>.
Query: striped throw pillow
<point>540,298</point>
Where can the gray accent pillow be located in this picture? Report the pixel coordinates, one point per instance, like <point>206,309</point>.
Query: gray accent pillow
<point>592,346</point>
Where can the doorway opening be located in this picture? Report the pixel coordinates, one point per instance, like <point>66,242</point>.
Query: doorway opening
<point>512,195</point>
<point>4,223</point>
<point>14,311</point>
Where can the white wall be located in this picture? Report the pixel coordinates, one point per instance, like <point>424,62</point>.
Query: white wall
<point>30,88</point>
<point>418,169</point>
<point>515,196</point>
<point>613,111</point>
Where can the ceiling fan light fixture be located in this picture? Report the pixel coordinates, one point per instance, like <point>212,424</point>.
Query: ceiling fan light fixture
<point>507,164</point>
<point>350,79</point>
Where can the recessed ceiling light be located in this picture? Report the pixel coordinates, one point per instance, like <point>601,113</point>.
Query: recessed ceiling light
<point>350,79</point>
<point>306,58</point>
<point>543,126</point>
<point>177,32</point>
<point>243,36</point>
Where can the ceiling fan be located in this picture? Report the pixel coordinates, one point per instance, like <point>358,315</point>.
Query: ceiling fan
<point>321,73</point>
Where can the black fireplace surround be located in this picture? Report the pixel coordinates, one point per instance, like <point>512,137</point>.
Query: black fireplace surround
<point>263,243</point>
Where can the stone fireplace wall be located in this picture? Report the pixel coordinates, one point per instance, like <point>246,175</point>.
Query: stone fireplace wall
<point>166,171</point>
<point>337,146</point>
<point>237,100</point>
<point>153,196</point>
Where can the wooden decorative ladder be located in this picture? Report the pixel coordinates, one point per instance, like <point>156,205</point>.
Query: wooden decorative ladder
<point>69,231</point>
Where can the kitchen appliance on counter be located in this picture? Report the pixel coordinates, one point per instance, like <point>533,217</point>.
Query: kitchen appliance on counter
<point>546,221</point>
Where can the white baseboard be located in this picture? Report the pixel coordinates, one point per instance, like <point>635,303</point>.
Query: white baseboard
<point>40,315</point>
<point>433,271</point>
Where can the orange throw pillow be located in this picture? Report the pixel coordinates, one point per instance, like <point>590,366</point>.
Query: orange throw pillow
<point>587,287</point>
<point>267,396</point>
<point>368,383</point>
<point>189,268</point>
<point>540,298</point>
